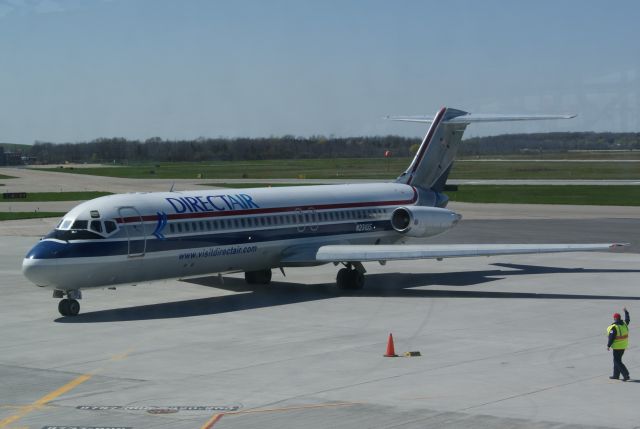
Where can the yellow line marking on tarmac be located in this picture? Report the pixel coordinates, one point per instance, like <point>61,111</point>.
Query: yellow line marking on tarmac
<point>216,417</point>
<point>122,356</point>
<point>24,410</point>
<point>40,403</point>
<point>212,421</point>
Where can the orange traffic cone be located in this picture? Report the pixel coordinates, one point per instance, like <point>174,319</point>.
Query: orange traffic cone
<point>391,352</point>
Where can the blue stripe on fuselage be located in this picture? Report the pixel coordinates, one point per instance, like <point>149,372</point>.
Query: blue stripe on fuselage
<point>50,249</point>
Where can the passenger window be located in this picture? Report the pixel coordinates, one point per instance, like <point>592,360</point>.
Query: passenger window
<point>186,227</point>
<point>171,228</point>
<point>96,226</point>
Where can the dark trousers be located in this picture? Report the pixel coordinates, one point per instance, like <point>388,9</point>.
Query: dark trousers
<point>618,366</point>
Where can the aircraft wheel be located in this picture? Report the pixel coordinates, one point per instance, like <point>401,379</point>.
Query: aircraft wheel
<point>350,279</point>
<point>250,277</point>
<point>74,307</point>
<point>265,277</point>
<point>343,280</point>
<point>63,307</point>
<point>262,277</point>
<point>357,279</point>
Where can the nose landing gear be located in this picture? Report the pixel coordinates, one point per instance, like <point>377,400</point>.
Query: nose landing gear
<point>68,306</point>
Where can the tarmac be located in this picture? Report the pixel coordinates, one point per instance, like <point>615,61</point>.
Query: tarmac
<point>505,342</point>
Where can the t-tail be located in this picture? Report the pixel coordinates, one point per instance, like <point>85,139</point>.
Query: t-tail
<point>432,164</point>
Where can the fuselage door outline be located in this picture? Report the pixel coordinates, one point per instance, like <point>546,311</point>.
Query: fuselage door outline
<point>135,230</point>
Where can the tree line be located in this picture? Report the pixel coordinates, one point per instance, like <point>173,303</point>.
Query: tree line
<point>121,150</point>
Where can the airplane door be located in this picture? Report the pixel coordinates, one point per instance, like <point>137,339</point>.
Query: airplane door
<point>134,227</point>
<point>314,219</point>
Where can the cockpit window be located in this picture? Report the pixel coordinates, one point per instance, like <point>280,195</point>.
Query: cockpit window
<point>96,226</point>
<point>109,226</point>
<point>65,224</point>
<point>80,224</point>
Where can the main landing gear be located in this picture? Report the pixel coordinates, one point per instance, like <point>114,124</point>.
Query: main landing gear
<point>68,306</point>
<point>260,277</point>
<point>351,277</point>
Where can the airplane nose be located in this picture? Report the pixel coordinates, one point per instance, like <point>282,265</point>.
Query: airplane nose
<point>38,271</point>
<point>39,266</point>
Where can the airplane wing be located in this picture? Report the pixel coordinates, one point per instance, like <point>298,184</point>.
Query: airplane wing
<point>364,253</point>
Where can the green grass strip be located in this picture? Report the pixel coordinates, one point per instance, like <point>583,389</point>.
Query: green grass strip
<point>28,215</point>
<point>548,194</point>
<point>364,168</point>
<point>4,176</point>
<point>56,196</point>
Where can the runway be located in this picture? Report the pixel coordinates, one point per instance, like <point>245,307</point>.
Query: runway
<point>506,342</point>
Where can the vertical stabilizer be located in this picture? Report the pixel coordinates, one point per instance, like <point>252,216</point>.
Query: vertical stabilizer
<point>432,163</point>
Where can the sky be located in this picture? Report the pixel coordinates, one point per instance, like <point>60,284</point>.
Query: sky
<point>77,70</point>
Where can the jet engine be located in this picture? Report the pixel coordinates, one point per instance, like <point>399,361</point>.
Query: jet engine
<point>423,221</point>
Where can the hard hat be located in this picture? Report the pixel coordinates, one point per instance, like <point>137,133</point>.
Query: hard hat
<point>616,315</point>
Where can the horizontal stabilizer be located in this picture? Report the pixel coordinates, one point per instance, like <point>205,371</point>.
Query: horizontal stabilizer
<point>363,253</point>
<point>478,117</point>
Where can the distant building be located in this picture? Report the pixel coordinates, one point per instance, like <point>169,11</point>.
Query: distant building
<point>10,158</point>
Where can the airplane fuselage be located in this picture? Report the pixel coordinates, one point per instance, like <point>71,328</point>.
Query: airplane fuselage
<point>131,238</point>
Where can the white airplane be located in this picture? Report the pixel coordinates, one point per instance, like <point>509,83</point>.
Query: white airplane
<point>138,237</point>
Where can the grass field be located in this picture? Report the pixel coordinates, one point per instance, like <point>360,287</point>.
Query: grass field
<point>538,194</point>
<point>4,176</point>
<point>57,196</point>
<point>366,168</point>
<point>569,156</point>
<point>28,215</point>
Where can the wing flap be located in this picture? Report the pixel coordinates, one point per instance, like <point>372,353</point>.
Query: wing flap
<point>364,253</point>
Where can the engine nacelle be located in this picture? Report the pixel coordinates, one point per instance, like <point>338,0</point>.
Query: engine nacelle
<point>423,221</point>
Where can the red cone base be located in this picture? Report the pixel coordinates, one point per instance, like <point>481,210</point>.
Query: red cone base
<point>391,351</point>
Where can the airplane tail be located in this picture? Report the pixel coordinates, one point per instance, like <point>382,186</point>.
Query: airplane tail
<point>432,164</point>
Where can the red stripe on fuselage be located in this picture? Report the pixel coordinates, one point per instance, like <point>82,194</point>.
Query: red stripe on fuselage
<point>197,215</point>
<point>427,141</point>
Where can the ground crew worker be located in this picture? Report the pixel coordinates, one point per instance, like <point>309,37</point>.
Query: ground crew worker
<point>618,333</point>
